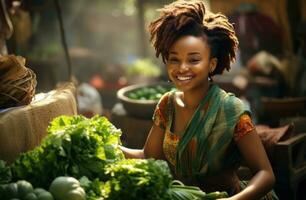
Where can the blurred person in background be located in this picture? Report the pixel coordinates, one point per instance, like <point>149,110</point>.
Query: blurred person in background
<point>89,100</point>
<point>256,32</point>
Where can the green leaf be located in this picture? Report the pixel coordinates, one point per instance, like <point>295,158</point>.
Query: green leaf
<point>5,173</point>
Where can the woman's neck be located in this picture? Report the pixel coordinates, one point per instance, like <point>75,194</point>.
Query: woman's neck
<point>191,99</point>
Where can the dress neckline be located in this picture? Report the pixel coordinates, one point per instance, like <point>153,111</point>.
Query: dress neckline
<point>171,106</point>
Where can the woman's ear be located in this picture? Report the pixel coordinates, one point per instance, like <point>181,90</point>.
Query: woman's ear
<point>213,64</point>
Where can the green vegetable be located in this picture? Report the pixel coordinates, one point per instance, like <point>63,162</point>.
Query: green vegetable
<point>24,188</point>
<point>148,92</point>
<point>43,194</point>
<point>75,146</point>
<point>31,196</point>
<point>39,194</point>
<point>93,188</point>
<point>67,188</point>
<point>5,173</point>
<point>215,195</point>
<point>137,179</point>
<point>179,191</point>
<point>39,190</point>
<point>2,191</point>
<point>11,190</point>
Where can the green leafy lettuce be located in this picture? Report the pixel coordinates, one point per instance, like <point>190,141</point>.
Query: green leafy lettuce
<point>75,146</point>
<point>137,179</point>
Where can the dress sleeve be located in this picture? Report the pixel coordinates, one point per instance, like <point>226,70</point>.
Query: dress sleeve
<point>243,127</point>
<point>160,113</point>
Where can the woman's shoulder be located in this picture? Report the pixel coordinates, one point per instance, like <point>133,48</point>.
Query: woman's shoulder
<point>160,116</point>
<point>165,102</point>
<point>165,99</point>
<point>232,103</point>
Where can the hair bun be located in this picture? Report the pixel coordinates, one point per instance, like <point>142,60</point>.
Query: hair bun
<point>185,9</point>
<point>172,18</point>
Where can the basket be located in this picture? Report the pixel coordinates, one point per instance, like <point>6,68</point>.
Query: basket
<point>17,82</point>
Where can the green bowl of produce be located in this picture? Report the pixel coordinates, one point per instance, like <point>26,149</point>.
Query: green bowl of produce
<point>140,100</point>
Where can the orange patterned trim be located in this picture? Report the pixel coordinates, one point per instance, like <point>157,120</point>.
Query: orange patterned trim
<point>243,127</point>
<point>159,117</point>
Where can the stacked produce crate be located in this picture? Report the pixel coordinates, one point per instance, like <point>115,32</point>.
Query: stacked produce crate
<point>289,165</point>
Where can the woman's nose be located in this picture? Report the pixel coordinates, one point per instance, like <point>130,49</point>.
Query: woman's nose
<point>183,67</point>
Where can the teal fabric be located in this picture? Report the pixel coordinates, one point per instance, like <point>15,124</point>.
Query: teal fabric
<point>212,129</point>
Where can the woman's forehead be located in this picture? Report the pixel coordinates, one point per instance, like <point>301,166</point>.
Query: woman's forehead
<point>190,44</point>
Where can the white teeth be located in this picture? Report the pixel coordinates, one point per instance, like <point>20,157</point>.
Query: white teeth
<point>184,78</point>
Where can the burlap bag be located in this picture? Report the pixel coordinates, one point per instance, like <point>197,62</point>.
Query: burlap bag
<point>22,128</point>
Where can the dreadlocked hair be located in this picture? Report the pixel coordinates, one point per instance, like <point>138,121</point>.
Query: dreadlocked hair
<point>183,18</point>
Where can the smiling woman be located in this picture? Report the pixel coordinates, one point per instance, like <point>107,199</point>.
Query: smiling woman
<point>200,130</point>
<point>189,63</point>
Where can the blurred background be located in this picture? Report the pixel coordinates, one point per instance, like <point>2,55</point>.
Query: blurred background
<point>103,46</point>
<point>109,45</point>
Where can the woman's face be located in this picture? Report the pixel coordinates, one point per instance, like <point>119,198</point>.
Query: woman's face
<point>189,63</point>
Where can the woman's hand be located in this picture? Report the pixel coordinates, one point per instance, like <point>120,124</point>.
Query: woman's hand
<point>132,153</point>
<point>153,147</point>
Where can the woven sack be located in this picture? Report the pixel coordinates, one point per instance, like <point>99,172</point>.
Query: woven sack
<point>22,128</point>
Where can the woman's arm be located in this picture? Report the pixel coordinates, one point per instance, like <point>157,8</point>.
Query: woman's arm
<point>153,147</point>
<point>132,153</point>
<point>255,156</point>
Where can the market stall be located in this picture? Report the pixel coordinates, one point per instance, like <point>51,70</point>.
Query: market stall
<point>53,149</point>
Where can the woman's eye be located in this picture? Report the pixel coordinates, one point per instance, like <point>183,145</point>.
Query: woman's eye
<point>194,60</point>
<point>173,60</point>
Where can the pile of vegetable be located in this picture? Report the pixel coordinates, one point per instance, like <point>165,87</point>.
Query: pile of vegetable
<point>149,92</point>
<point>75,146</point>
<point>80,159</point>
<point>61,188</point>
<point>138,179</point>
<point>23,190</point>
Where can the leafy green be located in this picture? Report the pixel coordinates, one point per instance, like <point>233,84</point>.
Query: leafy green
<point>179,191</point>
<point>5,173</point>
<point>137,179</point>
<point>75,146</point>
<point>93,188</point>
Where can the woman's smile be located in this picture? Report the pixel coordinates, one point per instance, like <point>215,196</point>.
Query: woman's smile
<point>184,79</point>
